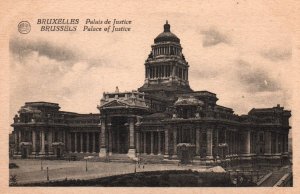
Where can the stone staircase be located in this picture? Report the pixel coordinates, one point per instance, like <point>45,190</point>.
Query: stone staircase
<point>151,158</point>
<point>120,158</point>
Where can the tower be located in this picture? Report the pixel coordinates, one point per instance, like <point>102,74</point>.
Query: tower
<point>166,68</point>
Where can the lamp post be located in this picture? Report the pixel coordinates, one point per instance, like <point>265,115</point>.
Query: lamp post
<point>86,168</point>
<point>47,174</point>
<point>41,164</point>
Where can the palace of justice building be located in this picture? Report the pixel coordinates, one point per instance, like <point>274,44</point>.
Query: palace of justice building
<point>162,121</point>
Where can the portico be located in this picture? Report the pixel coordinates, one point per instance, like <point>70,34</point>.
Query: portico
<point>120,121</point>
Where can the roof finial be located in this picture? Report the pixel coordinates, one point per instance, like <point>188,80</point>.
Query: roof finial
<point>167,27</point>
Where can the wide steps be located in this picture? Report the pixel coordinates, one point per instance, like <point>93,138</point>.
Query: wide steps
<point>120,158</point>
<point>151,158</point>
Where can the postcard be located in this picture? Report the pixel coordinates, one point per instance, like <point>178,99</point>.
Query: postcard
<point>149,96</point>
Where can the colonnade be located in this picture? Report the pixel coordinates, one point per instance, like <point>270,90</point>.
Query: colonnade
<point>152,142</point>
<point>166,50</point>
<point>83,142</point>
<point>165,71</point>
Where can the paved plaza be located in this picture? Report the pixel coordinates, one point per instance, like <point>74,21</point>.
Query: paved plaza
<point>31,170</point>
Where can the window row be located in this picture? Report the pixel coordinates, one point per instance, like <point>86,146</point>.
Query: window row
<point>166,50</point>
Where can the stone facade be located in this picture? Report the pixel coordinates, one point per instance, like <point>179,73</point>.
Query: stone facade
<point>164,120</point>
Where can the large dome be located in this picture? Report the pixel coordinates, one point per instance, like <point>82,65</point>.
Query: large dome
<point>167,35</point>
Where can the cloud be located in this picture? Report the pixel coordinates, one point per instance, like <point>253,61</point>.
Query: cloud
<point>276,54</point>
<point>22,48</point>
<point>69,80</point>
<point>213,37</point>
<point>255,79</point>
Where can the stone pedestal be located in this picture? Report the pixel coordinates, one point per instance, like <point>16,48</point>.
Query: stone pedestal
<point>131,153</point>
<point>102,153</point>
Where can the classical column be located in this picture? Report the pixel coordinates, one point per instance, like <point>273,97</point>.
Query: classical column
<point>138,142</point>
<point>277,145</point>
<point>159,143</point>
<point>69,142</point>
<point>145,143</point>
<point>94,142</point>
<point>227,132</point>
<point>20,140</point>
<point>247,142</point>
<point>109,140</point>
<point>209,143</point>
<point>286,137</point>
<point>43,142</point>
<point>216,143</point>
<point>197,142</point>
<point>159,71</point>
<point>75,142</point>
<point>102,152</point>
<point>148,72</point>
<point>268,142</point>
<point>50,141</point>
<point>16,142</point>
<point>131,151</point>
<point>173,70</point>
<point>166,155</point>
<point>175,142</point>
<point>20,136</point>
<point>87,142</point>
<point>118,140</point>
<point>233,143</point>
<point>33,141</point>
<point>151,153</point>
<point>81,143</point>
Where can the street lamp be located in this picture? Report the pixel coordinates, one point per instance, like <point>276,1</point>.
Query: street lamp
<point>41,164</point>
<point>47,174</point>
<point>86,168</point>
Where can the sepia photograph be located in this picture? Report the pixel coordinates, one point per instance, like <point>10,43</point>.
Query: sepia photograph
<point>133,95</point>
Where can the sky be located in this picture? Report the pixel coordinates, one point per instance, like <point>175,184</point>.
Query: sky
<point>241,51</point>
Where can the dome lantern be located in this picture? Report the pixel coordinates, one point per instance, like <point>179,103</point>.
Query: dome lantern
<point>166,35</point>
<point>167,27</point>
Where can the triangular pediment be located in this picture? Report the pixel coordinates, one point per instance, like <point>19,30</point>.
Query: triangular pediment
<point>114,103</point>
